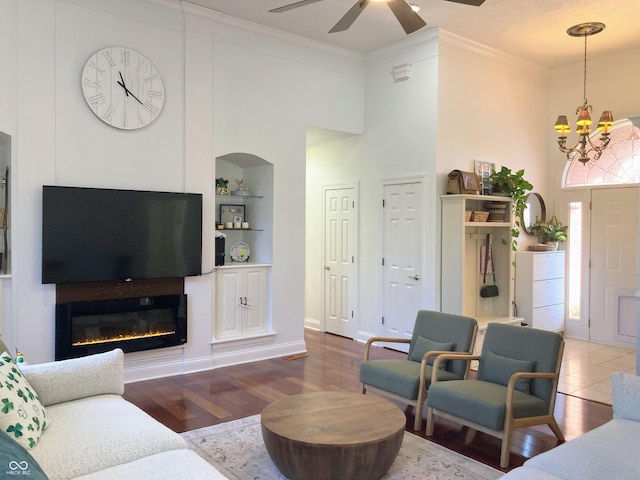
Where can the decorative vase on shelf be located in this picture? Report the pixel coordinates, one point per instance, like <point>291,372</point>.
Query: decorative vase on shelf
<point>553,246</point>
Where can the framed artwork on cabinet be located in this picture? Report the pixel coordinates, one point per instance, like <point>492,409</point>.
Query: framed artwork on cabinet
<point>232,213</point>
<point>483,170</point>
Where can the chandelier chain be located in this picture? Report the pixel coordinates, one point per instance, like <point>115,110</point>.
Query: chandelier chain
<point>584,91</point>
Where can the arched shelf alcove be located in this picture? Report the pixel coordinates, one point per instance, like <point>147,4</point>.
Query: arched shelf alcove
<point>243,286</point>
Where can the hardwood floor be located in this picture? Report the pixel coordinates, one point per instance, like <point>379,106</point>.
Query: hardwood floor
<point>197,400</point>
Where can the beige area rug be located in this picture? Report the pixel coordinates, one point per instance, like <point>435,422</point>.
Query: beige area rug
<point>236,449</point>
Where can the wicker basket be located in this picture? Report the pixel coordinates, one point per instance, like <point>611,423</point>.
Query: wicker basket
<point>479,216</point>
<point>467,215</point>
<point>497,211</point>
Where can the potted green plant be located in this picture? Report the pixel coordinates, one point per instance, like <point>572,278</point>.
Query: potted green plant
<point>221,186</point>
<point>552,232</point>
<point>514,185</point>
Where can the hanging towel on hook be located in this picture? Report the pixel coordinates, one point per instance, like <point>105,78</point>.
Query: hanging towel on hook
<point>486,258</point>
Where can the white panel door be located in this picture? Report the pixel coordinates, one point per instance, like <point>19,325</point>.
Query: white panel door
<point>614,260</point>
<point>339,260</point>
<point>403,239</point>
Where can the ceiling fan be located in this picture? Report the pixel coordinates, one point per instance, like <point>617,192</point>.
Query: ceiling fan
<point>409,19</point>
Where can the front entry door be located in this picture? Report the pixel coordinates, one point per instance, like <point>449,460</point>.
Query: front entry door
<point>403,248</point>
<point>340,233</point>
<point>614,274</point>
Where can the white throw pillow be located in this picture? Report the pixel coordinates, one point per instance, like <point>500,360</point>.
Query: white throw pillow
<point>22,415</point>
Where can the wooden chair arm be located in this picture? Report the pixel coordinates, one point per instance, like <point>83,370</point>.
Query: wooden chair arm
<point>449,356</point>
<point>425,359</point>
<point>382,339</point>
<point>511,386</point>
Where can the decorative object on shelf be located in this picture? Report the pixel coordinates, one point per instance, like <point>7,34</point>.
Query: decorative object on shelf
<point>221,186</point>
<point>551,233</point>
<point>497,211</point>
<point>539,247</point>
<point>220,239</point>
<point>463,182</point>
<point>483,170</point>
<point>241,190</point>
<point>535,211</point>
<point>122,88</point>
<point>514,185</point>
<point>479,216</point>
<point>584,146</point>
<point>231,214</point>
<point>240,252</point>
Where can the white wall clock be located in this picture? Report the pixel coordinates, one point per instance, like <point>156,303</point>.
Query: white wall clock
<point>122,88</point>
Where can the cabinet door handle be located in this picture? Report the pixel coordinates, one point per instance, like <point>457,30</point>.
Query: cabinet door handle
<point>245,301</point>
<point>414,277</point>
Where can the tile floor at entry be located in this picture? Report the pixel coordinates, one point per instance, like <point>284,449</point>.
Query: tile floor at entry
<point>587,367</point>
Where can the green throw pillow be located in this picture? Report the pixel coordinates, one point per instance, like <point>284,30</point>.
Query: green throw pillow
<point>22,415</point>
<point>16,462</point>
<point>424,345</point>
<point>498,369</point>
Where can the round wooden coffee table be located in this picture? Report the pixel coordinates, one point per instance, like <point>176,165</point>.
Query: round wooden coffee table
<point>332,435</point>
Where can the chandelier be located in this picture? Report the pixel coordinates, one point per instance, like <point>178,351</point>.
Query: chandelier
<point>584,146</point>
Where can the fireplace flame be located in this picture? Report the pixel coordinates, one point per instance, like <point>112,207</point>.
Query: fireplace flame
<point>120,338</point>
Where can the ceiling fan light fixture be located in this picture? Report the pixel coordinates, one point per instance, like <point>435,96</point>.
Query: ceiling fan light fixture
<point>405,12</point>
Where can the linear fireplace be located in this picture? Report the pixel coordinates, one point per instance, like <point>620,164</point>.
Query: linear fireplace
<point>132,324</point>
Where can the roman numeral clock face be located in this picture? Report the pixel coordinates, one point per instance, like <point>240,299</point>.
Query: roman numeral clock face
<point>122,87</point>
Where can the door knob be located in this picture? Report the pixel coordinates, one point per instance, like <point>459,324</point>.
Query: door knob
<point>327,268</point>
<point>414,277</point>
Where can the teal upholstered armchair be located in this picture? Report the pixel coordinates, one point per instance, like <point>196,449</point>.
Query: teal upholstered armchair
<point>408,379</point>
<point>515,387</point>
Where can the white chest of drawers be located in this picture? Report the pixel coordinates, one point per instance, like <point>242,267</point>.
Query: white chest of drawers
<point>539,289</point>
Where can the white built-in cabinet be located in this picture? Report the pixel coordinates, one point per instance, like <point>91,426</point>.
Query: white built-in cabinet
<point>461,280</point>
<point>242,293</point>
<point>539,292</point>
<point>241,301</point>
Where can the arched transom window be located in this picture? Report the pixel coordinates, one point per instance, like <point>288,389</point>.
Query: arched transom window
<point>619,163</point>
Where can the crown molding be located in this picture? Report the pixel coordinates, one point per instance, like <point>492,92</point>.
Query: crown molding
<point>493,53</point>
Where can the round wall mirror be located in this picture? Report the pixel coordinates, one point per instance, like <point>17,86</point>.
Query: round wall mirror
<point>535,211</point>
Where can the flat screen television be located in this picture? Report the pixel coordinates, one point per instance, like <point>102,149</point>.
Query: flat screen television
<point>94,234</point>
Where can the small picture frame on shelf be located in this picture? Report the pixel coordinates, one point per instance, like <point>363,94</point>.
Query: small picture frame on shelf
<point>232,214</point>
<point>483,170</point>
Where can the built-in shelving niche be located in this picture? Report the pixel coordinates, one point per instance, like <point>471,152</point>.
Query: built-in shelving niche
<point>257,175</point>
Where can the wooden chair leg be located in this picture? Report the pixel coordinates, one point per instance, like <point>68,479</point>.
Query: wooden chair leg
<point>471,434</point>
<point>417,421</point>
<point>553,425</point>
<point>430,420</point>
<point>505,448</point>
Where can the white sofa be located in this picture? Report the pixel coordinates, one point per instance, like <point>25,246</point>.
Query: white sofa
<point>94,433</point>
<point>607,452</point>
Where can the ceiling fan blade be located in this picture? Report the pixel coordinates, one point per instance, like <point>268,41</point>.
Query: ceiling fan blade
<point>301,3</point>
<point>409,19</point>
<point>350,17</point>
<point>475,3</point>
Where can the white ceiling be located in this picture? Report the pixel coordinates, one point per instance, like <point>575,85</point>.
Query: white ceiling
<point>530,29</point>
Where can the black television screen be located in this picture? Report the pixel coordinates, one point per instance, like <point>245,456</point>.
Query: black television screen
<point>93,234</point>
